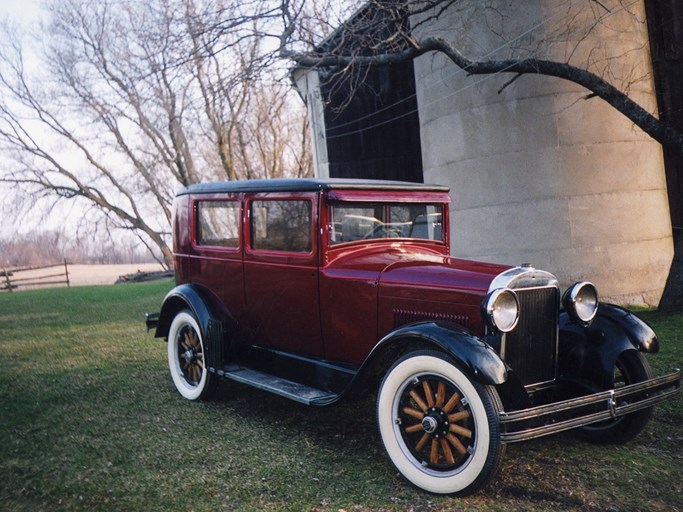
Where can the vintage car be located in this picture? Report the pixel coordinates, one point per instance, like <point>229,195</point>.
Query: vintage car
<point>318,290</point>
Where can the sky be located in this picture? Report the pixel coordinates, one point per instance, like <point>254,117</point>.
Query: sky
<point>21,11</point>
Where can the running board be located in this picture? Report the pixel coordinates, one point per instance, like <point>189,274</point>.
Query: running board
<point>286,388</point>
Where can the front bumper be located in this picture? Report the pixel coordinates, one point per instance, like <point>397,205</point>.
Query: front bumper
<point>568,414</point>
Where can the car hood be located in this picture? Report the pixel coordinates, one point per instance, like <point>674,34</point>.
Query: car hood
<point>419,267</point>
<point>424,270</point>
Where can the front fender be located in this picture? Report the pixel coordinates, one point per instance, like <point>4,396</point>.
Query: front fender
<point>477,358</point>
<point>588,354</point>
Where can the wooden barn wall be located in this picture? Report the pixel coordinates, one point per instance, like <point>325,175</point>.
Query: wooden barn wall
<point>665,24</point>
<point>374,133</point>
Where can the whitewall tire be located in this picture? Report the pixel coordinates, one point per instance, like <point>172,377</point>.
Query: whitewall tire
<point>186,357</point>
<point>439,427</point>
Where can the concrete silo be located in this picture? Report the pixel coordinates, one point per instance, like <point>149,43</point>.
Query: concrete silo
<point>538,173</point>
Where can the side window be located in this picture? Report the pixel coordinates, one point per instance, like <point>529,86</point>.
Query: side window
<point>281,225</point>
<point>218,223</point>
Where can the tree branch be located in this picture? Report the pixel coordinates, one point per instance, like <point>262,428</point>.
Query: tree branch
<point>655,128</point>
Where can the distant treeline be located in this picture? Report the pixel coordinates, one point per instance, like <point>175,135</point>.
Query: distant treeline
<point>48,247</point>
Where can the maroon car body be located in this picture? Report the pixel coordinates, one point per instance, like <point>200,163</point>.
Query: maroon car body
<point>319,289</point>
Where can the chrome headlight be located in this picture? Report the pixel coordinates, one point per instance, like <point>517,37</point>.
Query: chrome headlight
<point>501,309</point>
<point>581,302</point>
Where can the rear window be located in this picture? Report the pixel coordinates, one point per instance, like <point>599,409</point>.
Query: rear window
<point>218,223</point>
<point>366,221</point>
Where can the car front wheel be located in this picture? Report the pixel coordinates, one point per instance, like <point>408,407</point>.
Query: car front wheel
<point>439,427</point>
<point>631,367</point>
<point>186,357</point>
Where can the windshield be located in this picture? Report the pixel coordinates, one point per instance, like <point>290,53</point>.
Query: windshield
<point>365,221</point>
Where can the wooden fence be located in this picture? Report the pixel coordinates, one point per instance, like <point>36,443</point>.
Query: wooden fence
<point>11,278</point>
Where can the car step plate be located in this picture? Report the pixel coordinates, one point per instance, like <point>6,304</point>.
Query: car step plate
<point>283,387</point>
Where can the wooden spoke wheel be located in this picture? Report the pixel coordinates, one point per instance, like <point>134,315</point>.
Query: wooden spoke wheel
<point>439,427</point>
<point>186,357</point>
<point>435,423</point>
<point>191,355</point>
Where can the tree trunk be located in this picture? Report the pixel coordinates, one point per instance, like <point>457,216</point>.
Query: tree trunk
<point>672,298</point>
<point>168,257</point>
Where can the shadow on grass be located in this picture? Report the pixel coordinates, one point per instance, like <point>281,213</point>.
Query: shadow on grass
<point>556,473</point>
<point>524,482</point>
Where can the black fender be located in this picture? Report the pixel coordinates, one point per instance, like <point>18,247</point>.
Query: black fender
<point>213,317</point>
<point>476,357</point>
<point>588,354</point>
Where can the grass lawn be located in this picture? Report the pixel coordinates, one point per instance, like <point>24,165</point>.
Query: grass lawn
<point>90,420</point>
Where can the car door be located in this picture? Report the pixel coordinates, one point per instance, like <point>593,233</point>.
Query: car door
<point>281,272</point>
<point>215,256</point>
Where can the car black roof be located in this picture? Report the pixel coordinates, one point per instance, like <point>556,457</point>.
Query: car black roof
<point>307,185</point>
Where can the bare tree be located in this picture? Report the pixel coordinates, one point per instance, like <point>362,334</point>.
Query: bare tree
<point>130,102</point>
<point>49,247</point>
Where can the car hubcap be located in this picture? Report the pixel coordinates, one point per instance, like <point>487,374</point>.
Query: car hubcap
<point>429,425</point>
<point>189,356</point>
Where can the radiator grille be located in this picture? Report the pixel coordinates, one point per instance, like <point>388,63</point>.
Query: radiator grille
<point>531,348</point>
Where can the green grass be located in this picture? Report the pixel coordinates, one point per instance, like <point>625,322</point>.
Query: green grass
<point>89,420</point>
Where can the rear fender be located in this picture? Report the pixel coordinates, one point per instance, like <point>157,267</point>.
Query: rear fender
<point>213,318</point>
<point>588,354</point>
<point>203,303</point>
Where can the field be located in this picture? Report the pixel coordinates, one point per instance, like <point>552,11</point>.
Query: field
<point>89,420</point>
<point>84,275</point>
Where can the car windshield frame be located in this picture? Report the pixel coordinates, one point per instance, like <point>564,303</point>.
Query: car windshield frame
<point>382,220</point>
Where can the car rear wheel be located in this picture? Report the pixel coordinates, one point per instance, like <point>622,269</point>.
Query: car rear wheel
<point>186,357</point>
<point>439,427</point>
<point>631,367</point>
